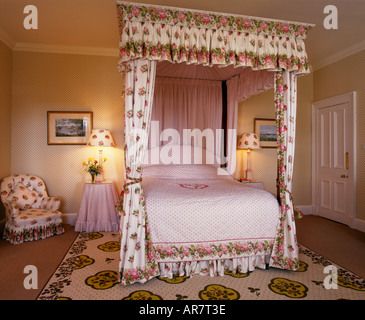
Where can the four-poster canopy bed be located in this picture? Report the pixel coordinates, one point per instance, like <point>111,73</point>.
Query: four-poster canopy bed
<point>186,218</point>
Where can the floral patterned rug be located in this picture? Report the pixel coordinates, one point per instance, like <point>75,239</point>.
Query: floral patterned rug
<point>89,271</point>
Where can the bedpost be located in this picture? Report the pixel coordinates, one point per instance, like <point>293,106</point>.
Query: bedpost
<point>224,120</point>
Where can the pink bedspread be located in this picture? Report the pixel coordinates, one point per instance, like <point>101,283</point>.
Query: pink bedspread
<point>204,219</point>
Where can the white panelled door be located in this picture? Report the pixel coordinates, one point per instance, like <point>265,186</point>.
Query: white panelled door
<point>334,158</point>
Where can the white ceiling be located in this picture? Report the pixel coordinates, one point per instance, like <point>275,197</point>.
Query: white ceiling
<point>90,26</point>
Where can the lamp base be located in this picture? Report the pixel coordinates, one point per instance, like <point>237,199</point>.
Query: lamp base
<point>249,175</point>
<point>99,179</point>
<point>100,176</point>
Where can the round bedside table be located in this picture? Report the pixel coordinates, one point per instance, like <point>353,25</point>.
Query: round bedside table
<point>97,210</point>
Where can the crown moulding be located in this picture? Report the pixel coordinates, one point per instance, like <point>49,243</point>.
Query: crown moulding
<point>45,48</point>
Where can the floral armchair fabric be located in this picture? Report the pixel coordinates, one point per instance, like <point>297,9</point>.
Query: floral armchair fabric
<point>30,213</point>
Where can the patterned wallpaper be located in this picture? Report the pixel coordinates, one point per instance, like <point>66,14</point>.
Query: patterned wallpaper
<point>5,105</point>
<point>63,82</point>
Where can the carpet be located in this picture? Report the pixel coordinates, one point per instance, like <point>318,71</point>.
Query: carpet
<point>89,271</point>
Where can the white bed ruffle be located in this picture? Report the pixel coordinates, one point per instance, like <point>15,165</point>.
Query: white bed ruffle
<point>213,267</point>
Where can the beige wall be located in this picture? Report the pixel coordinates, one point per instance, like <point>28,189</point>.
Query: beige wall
<point>63,82</point>
<point>341,77</point>
<point>5,111</point>
<point>264,161</point>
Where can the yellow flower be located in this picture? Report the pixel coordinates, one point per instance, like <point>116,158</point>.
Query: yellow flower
<point>110,246</point>
<point>90,159</point>
<point>343,282</point>
<point>218,292</point>
<point>142,295</point>
<point>102,280</point>
<point>84,162</point>
<point>83,261</point>
<point>289,288</point>
<point>105,159</point>
<point>175,279</point>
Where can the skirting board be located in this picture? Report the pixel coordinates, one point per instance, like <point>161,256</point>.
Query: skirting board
<point>305,209</point>
<point>69,218</point>
<point>359,224</point>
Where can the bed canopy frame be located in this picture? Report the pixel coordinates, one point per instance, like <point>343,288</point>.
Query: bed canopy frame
<point>151,34</point>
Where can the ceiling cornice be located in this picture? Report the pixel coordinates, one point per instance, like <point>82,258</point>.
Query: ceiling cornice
<point>114,52</point>
<point>340,55</point>
<point>6,39</point>
<point>45,48</point>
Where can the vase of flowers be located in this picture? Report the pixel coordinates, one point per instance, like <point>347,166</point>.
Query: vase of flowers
<point>93,167</point>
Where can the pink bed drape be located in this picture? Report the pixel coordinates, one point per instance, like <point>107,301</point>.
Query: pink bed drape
<point>233,85</point>
<point>181,105</point>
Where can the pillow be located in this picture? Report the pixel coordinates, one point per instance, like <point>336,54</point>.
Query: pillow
<point>23,197</point>
<point>185,171</point>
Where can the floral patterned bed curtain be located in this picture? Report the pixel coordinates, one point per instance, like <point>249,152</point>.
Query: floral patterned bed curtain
<point>137,262</point>
<point>285,251</point>
<point>153,33</point>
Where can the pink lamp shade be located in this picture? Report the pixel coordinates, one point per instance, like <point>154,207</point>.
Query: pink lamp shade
<point>101,138</point>
<point>248,141</point>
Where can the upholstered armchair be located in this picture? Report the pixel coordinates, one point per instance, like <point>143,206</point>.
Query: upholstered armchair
<point>30,213</point>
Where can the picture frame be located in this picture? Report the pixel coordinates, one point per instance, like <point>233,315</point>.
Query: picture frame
<point>266,130</point>
<point>69,127</point>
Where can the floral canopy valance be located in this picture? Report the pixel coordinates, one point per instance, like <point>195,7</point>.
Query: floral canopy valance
<point>200,37</point>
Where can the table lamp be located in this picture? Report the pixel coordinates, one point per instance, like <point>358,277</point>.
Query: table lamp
<point>249,141</point>
<point>101,138</point>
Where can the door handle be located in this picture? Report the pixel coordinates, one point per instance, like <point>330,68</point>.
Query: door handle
<point>344,176</point>
<point>347,160</point>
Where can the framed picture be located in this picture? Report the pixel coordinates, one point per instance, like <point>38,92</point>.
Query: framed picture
<point>266,130</point>
<point>71,127</point>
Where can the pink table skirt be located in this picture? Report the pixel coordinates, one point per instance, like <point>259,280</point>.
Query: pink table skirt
<point>97,210</point>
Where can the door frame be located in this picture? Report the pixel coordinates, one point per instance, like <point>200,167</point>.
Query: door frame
<point>350,98</point>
